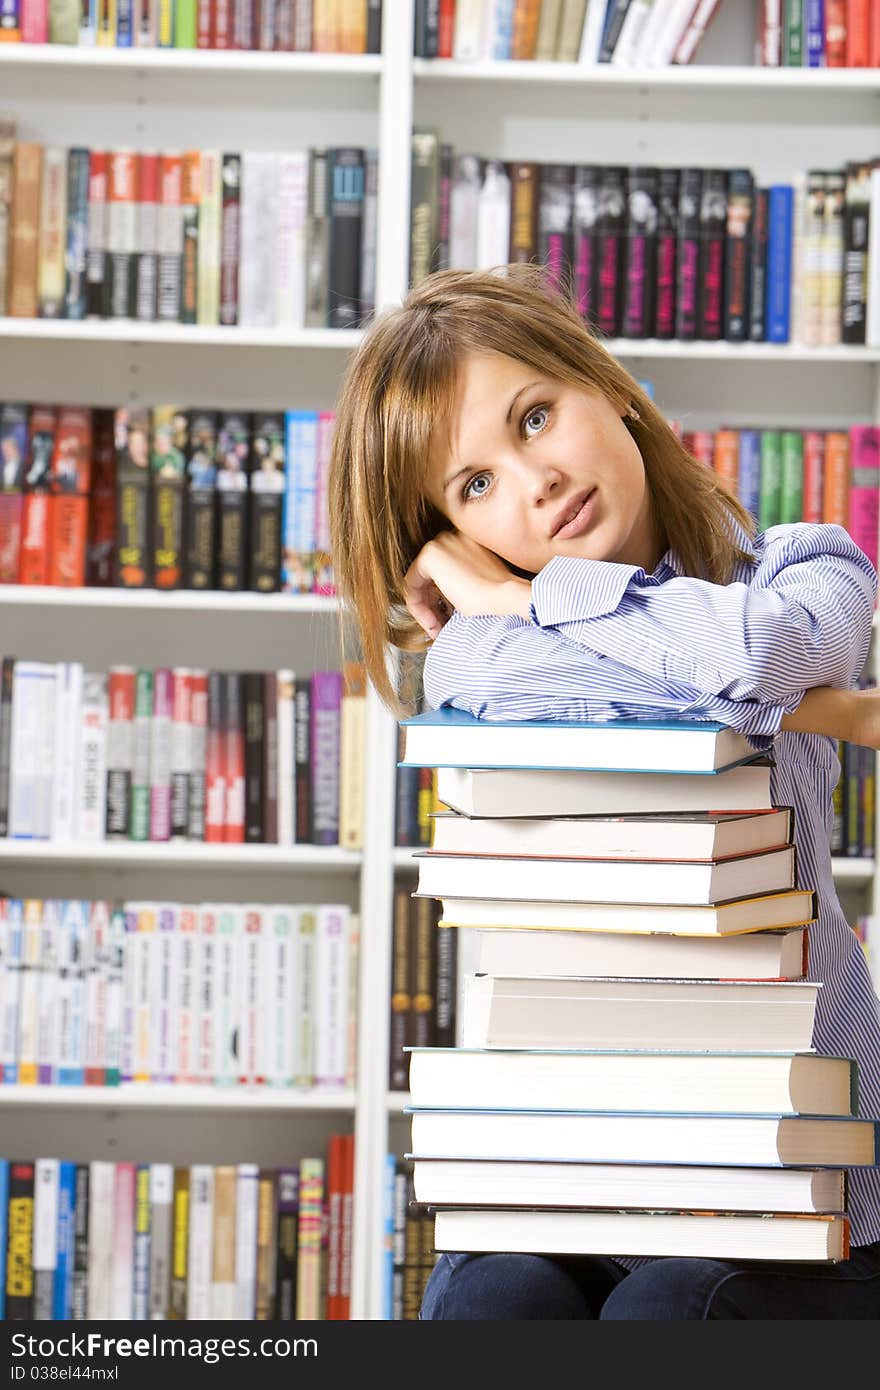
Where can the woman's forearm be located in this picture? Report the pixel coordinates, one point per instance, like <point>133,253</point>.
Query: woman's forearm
<point>823,710</point>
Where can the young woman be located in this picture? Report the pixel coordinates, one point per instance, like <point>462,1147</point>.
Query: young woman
<point>502,488</point>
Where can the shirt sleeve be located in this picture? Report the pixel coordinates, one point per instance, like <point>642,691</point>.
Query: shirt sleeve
<point>805,620</point>
<point>507,668</point>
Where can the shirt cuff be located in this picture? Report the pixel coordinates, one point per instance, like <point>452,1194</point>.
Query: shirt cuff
<point>568,589</point>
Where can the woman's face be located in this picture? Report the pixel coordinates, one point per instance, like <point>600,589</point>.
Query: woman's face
<point>532,468</point>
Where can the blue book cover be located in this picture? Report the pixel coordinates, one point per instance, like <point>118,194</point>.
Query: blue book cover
<point>814,31</point>
<point>124,23</point>
<point>4,1205</point>
<point>748,478</point>
<point>449,737</point>
<point>298,533</point>
<point>388,1238</point>
<point>63,1281</point>
<point>780,226</point>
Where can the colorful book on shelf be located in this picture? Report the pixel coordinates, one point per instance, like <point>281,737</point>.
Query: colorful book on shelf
<point>717,1234</point>
<point>454,738</point>
<point>778,1082</point>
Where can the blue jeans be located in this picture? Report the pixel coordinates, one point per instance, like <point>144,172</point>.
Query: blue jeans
<point>518,1287</point>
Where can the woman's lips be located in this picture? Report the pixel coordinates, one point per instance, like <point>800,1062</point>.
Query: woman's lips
<point>580,522</point>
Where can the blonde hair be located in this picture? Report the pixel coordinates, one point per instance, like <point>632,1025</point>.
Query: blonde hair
<point>400,385</point>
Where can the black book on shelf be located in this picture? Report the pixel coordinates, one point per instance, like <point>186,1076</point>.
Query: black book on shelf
<point>345,210</point>
<point>856,213</point>
<point>687,307</point>
<point>317,240</point>
<point>555,200</point>
<point>738,254</point>
<point>666,254</point>
<point>426,30</point>
<point>758,288</point>
<point>585,212</point>
<point>610,230</point>
<point>168,474</point>
<point>233,477</point>
<point>266,501</point>
<point>374,26</point>
<point>254,724</point>
<point>134,554</point>
<point>440,257</point>
<point>230,237</point>
<point>7,670</point>
<point>713,224</point>
<point>302,807</point>
<point>200,519</point>
<point>640,253</point>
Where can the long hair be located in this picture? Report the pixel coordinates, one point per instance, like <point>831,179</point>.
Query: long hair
<point>399,388</point>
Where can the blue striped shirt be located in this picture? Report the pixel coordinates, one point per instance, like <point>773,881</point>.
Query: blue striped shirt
<point>610,641</point>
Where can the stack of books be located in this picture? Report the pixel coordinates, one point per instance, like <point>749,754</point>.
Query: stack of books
<point>635,1073</point>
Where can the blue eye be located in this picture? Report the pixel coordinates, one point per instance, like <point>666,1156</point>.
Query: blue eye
<point>539,415</point>
<point>472,488</point>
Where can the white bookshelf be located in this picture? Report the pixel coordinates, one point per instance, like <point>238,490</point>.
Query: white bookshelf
<point>716,112</point>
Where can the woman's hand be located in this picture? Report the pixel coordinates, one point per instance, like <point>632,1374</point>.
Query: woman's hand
<point>853,715</point>
<point>453,572</point>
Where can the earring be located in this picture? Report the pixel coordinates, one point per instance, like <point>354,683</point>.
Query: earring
<point>633,413</point>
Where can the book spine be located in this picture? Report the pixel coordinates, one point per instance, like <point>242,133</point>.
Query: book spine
<point>195,825</point>
<point>290,251</point>
<point>20,1243</point>
<point>317,238</point>
<point>258,233</point>
<point>791,488</point>
<point>209,231</point>
<point>91,814</point>
<point>640,253</point>
<point>232,480</point>
<point>855,252</point>
<point>311,1220</point>
<point>326,695</point>
<point>200,1242</point>
<point>687,317</point>
<point>201,518</point>
<point>169,239</point>
<point>346,169</point>
<point>264,1290</point>
<point>178,1300</point>
<point>80,1273</point>
<point>864,488</point>
<point>286,1243</point>
<point>24,230</point>
<point>246,1195</point>
<point>215,764</point>
<point>254,718</point>
<point>96,255</point>
<point>160,1196</point>
<point>234,741</point>
<point>120,743</point>
<point>122,209</point>
<point>160,754</point>
<point>779,240</point>
<point>738,255</point>
<point>769,505</point>
<point>758,286</point>
<point>96,963</point>
<point>116,1000</point>
<point>180,753</point>
<point>75,291</point>
<point>146,266</point>
<point>523,247</point>
<point>748,486</point>
<point>141,756</point>
<point>140,1293</point>
<point>230,183</point>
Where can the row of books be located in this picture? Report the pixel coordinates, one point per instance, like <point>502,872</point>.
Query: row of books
<point>178,754</point>
<point>818,34</point>
<point>624,1082</point>
<point>261,239</point>
<point>137,1241</point>
<point>219,994</point>
<point>651,252</point>
<point>789,475</point>
<point>298,26</point>
<point>408,1247</point>
<point>643,33</point>
<point>165,497</point>
<point>423,985</point>
<point>626,33</point>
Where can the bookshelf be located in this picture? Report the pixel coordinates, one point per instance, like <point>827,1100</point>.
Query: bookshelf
<point>715,112</point>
